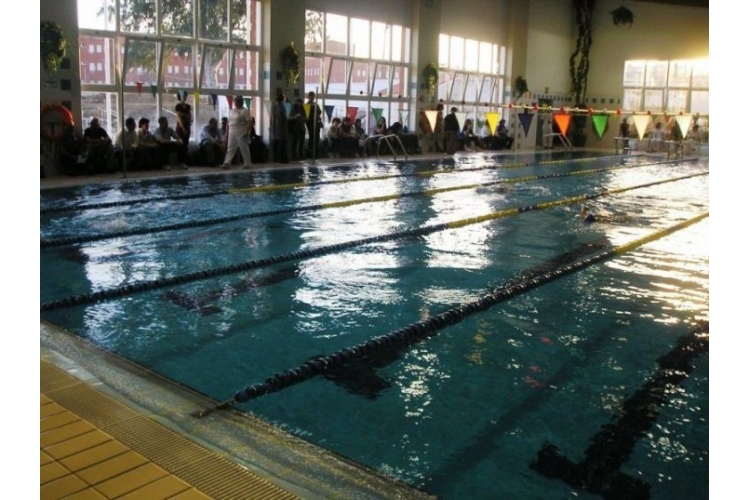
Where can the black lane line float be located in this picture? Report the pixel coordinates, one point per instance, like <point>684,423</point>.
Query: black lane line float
<point>144,286</point>
<point>417,332</point>
<point>75,240</point>
<point>599,472</point>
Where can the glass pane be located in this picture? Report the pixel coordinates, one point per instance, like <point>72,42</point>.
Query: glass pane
<point>336,77</point>
<point>140,63</point>
<point>399,48</point>
<point>471,62</point>
<point>457,53</point>
<point>457,88</point>
<point>214,64</point>
<point>381,75</point>
<point>313,71</point>
<point>487,91</point>
<point>177,66</point>
<point>445,78</point>
<point>634,73</point>
<point>381,41</point>
<point>485,58</point>
<point>360,38</point>
<point>177,18</point>
<point>97,59</point>
<point>101,105</point>
<point>400,84</point>
<point>212,24</point>
<point>140,105</point>
<point>239,18</point>
<point>168,103</point>
<point>656,73</point>
<point>632,100</point>
<point>699,102</point>
<point>245,70</point>
<point>313,31</point>
<point>335,27</point>
<point>700,73</point>
<point>653,100</point>
<point>679,73</point>
<point>138,16</point>
<point>444,43</point>
<point>472,88</point>
<point>96,14</point>
<point>677,101</point>
<point>359,83</point>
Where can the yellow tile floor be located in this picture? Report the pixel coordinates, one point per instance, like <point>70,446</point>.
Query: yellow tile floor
<point>79,460</point>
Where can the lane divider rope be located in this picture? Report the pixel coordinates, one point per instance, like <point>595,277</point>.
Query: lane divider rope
<point>419,331</point>
<point>144,286</point>
<point>75,240</point>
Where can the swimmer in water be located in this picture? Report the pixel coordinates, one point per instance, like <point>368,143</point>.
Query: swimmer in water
<point>587,217</point>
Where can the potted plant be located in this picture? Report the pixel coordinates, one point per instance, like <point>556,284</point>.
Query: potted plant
<point>521,86</point>
<point>290,63</point>
<point>622,16</point>
<point>430,75</point>
<point>52,45</point>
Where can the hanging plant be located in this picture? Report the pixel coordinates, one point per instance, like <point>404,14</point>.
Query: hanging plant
<point>622,16</point>
<point>52,45</point>
<point>521,86</point>
<point>290,63</point>
<point>430,75</point>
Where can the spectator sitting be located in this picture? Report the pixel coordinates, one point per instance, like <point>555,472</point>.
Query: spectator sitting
<point>212,143</point>
<point>98,146</point>
<point>395,128</point>
<point>73,151</point>
<point>170,145</point>
<point>126,144</point>
<point>348,138</point>
<point>467,137</point>
<point>501,139</point>
<point>381,128</point>
<point>258,149</point>
<point>148,148</point>
<point>334,137</point>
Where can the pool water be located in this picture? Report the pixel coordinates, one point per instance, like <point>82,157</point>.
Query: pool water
<point>465,412</point>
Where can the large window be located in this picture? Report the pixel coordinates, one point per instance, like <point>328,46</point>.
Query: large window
<point>358,66</point>
<point>471,76</point>
<point>679,86</point>
<point>137,55</point>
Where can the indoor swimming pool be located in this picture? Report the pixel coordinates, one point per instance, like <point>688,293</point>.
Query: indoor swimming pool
<point>452,324</point>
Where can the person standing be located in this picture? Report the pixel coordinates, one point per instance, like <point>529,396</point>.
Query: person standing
<point>184,117</point>
<point>451,128</point>
<point>239,128</point>
<point>297,130</point>
<point>279,129</point>
<point>438,134</point>
<point>314,122</point>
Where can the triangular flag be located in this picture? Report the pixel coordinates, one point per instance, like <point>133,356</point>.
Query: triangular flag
<point>563,122</point>
<point>641,124</point>
<point>525,119</point>
<point>461,117</point>
<point>214,99</point>
<point>153,90</point>
<point>230,100</point>
<point>248,102</point>
<point>404,114</point>
<point>139,87</point>
<point>493,118</point>
<point>351,112</point>
<point>600,124</point>
<point>377,113</point>
<point>329,111</point>
<point>431,118</point>
<point>287,108</point>
<point>684,121</point>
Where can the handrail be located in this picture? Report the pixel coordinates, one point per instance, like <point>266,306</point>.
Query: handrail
<point>381,137</point>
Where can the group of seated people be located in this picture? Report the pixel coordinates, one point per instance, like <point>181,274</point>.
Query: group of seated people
<point>349,140</point>
<point>141,149</point>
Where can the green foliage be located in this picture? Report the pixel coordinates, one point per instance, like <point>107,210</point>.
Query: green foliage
<point>430,75</point>
<point>622,16</point>
<point>52,45</point>
<point>290,63</point>
<point>579,60</point>
<point>521,86</point>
